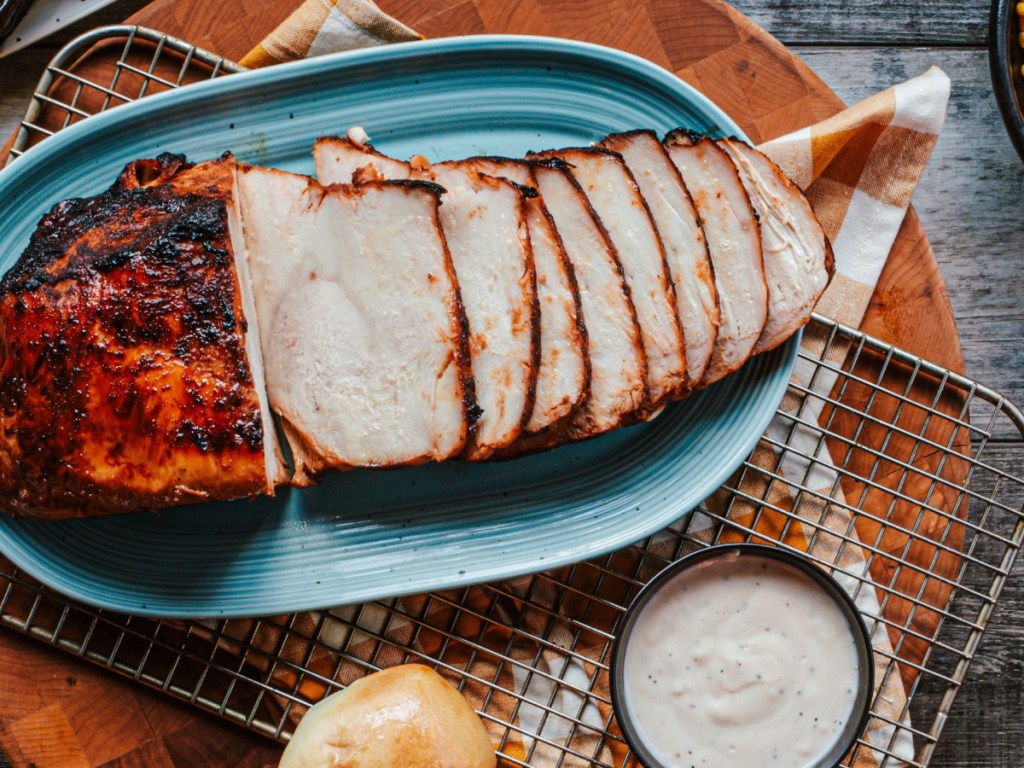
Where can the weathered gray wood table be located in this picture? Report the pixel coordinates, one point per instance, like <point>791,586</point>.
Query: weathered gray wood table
<point>970,203</point>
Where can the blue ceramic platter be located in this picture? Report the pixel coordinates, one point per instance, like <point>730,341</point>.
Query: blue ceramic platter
<point>366,535</point>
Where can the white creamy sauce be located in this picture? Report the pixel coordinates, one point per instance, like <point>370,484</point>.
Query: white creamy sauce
<point>740,661</point>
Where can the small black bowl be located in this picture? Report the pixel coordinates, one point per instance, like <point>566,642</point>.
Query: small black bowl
<point>862,640</point>
<point>1005,57</point>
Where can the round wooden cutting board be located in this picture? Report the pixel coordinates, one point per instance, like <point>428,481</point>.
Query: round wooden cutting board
<point>748,73</point>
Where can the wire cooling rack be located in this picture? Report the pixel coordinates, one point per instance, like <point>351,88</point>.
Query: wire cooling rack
<point>924,484</point>
<point>107,67</point>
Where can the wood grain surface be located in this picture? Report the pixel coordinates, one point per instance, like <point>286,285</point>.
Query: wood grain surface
<point>910,308</point>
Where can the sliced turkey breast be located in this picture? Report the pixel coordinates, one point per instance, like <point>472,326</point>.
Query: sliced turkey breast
<point>618,366</point>
<point>130,373</point>
<point>622,210</point>
<point>798,261</point>
<point>686,248</point>
<point>339,160</point>
<point>734,242</point>
<point>360,320</point>
<point>563,372</point>
<point>484,223</point>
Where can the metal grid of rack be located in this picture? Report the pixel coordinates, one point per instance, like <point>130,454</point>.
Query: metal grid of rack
<point>146,62</point>
<point>925,490</point>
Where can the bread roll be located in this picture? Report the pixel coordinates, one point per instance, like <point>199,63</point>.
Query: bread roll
<point>403,716</point>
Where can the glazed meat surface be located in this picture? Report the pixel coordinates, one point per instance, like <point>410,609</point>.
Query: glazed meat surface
<point>125,378</point>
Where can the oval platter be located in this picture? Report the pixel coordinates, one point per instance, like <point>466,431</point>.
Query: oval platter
<point>366,535</point>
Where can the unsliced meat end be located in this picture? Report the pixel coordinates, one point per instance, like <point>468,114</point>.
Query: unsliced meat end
<point>622,211</point>
<point>798,262</point>
<point>618,375</point>
<point>125,382</point>
<point>362,334</point>
<point>734,242</point>
<point>686,249</point>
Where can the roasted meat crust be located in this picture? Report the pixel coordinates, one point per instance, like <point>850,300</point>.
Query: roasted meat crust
<point>124,380</point>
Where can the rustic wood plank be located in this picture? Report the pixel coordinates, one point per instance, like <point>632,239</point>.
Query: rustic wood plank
<point>872,22</point>
<point>985,728</point>
<point>910,22</point>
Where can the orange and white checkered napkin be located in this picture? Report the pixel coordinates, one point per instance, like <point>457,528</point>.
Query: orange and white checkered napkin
<point>859,169</point>
<point>327,26</point>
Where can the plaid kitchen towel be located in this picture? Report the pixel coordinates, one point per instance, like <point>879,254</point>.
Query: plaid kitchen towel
<point>327,26</point>
<point>859,169</point>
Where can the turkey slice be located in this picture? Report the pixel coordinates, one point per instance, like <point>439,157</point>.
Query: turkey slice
<point>563,372</point>
<point>686,249</point>
<point>734,242</point>
<point>615,198</point>
<point>340,160</point>
<point>360,320</point>
<point>484,223</point>
<point>798,261</point>
<point>618,367</point>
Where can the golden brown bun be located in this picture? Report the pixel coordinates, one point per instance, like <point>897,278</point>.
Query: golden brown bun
<point>403,716</point>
